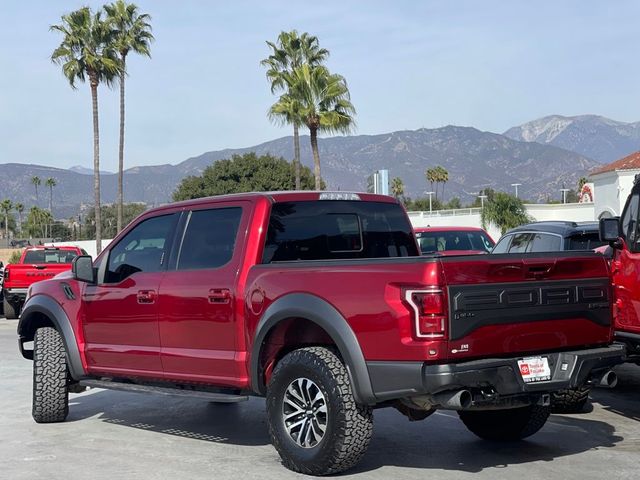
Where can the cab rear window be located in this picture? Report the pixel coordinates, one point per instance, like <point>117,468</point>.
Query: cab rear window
<point>49,256</point>
<point>337,229</point>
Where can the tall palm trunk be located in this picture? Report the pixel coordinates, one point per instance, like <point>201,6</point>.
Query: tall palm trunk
<point>96,165</point>
<point>51,199</point>
<point>37,199</point>
<point>6,225</point>
<point>313,133</point>
<point>296,155</point>
<point>121,149</point>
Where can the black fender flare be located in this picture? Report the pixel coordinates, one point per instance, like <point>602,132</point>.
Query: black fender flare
<point>44,305</point>
<point>320,312</point>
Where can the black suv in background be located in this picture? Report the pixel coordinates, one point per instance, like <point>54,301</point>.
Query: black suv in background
<point>550,237</point>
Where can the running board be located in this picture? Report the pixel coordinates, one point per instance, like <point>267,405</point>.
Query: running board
<point>176,392</point>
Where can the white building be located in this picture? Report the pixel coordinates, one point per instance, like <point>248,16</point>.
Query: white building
<point>612,185</point>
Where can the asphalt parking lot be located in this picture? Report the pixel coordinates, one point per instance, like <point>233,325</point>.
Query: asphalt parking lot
<point>112,435</point>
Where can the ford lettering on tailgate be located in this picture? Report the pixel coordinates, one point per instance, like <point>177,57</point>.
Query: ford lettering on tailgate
<point>474,306</point>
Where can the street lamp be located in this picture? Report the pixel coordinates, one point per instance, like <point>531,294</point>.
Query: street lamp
<point>564,194</point>
<point>516,185</point>
<point>482,197</point>
<point>430,207</point>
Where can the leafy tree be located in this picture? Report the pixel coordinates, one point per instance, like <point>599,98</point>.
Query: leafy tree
<point>323,102</point>
<point>88,51</point>
<point>397,187</point>
<point>51,182</point>
<point>422,204</point>
<point>505,211</point>
<point>453,204</point>
<point>132,33</point>
<point>15,256</point>
<point>442,176</point>
<point>109,218</point>
<point>5,208</point>
<point>581,183</point>
<point>35,181</point>
<point>290,52</point>
<point>243,173</point>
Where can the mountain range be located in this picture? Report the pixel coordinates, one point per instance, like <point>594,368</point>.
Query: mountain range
<point>543,155</point>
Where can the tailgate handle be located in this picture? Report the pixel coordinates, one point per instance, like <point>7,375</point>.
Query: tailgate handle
<point>538,271</point>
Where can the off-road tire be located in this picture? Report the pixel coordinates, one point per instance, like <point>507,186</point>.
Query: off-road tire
<point>9,312</point>
<point>349,426</point>
<point>50,377</point>
<point>571,400</point>
<point>506,425</point>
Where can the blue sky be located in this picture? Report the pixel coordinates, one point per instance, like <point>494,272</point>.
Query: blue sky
<point>409,64</point>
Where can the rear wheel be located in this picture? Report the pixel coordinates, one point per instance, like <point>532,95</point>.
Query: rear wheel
<point>571,400</point>
<point>50,378</point>
<point>9,312</point>
<point>506,425</point>
<point>314,421</point>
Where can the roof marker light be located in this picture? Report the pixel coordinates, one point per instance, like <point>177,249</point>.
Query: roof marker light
<point>339,196</point>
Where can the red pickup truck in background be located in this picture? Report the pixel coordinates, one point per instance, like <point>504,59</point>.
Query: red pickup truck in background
<point>321,302</point>
<point>36,264</point>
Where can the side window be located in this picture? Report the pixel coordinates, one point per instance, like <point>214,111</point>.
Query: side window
<point>543,242</point>
<point>630,223</point>
<point>209,238</point>
<point>143,249</point>
<point>503,245</point>
<point>520,243</point>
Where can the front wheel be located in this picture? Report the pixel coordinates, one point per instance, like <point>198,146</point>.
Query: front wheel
<point>50,385</point>
<point>505,425</point>
<point>314,421</point>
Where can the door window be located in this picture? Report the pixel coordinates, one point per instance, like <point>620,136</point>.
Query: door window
<point>630,223</point>
<point>544,242</point>
<point>520,243</point>
<point>143,249</point>
<point>209,238</point>
<point>503,245</point>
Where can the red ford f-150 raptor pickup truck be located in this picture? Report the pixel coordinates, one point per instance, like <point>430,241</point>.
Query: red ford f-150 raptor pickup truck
<point>36,264</point>
<point>321,302</point>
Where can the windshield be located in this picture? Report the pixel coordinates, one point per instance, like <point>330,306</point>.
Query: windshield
<point>49,256</point>
<point>588,241</point>
<point>431,242</point>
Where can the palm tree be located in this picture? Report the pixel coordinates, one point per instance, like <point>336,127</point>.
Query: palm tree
<point>20,209</point>
<point>443,177</point>
<point>290,52</point>
<point>88,51</point>
<point>35,181</point>
<point>132,33</point>
<point>397,187</point>
<point>323,103</point>
<point>51,182</point>
<point>5,207</point>
<point>432,176</point>
<point>504,211</point>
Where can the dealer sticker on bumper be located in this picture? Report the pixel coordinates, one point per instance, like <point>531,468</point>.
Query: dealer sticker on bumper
<point>534,369</point>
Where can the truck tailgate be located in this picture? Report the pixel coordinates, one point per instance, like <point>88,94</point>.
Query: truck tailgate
<point>22,275</point>
<point>502,304</point>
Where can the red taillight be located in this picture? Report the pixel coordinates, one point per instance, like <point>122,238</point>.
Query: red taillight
<point>429,311</point>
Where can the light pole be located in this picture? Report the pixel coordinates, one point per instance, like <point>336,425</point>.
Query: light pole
<point>564,194</point>
<point>482,197</point>
<point>430,195</point>
<point>516,185</point>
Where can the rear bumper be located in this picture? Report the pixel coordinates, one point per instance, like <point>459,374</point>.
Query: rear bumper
<point>15,295</point>
<point>393,380</point>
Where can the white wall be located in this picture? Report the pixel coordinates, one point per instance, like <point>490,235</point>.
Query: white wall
<point>612,190</point>
<point>470,217</point>
<point>88,245</point>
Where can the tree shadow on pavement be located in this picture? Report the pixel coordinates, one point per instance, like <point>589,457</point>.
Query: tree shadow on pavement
<point>238,424</point>
<point>442,442</point>
<point>624,398</point>
<point>439,442</point>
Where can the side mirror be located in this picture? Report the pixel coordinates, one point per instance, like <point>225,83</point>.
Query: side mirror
<point>82,269</point>
<point>610,229</point>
